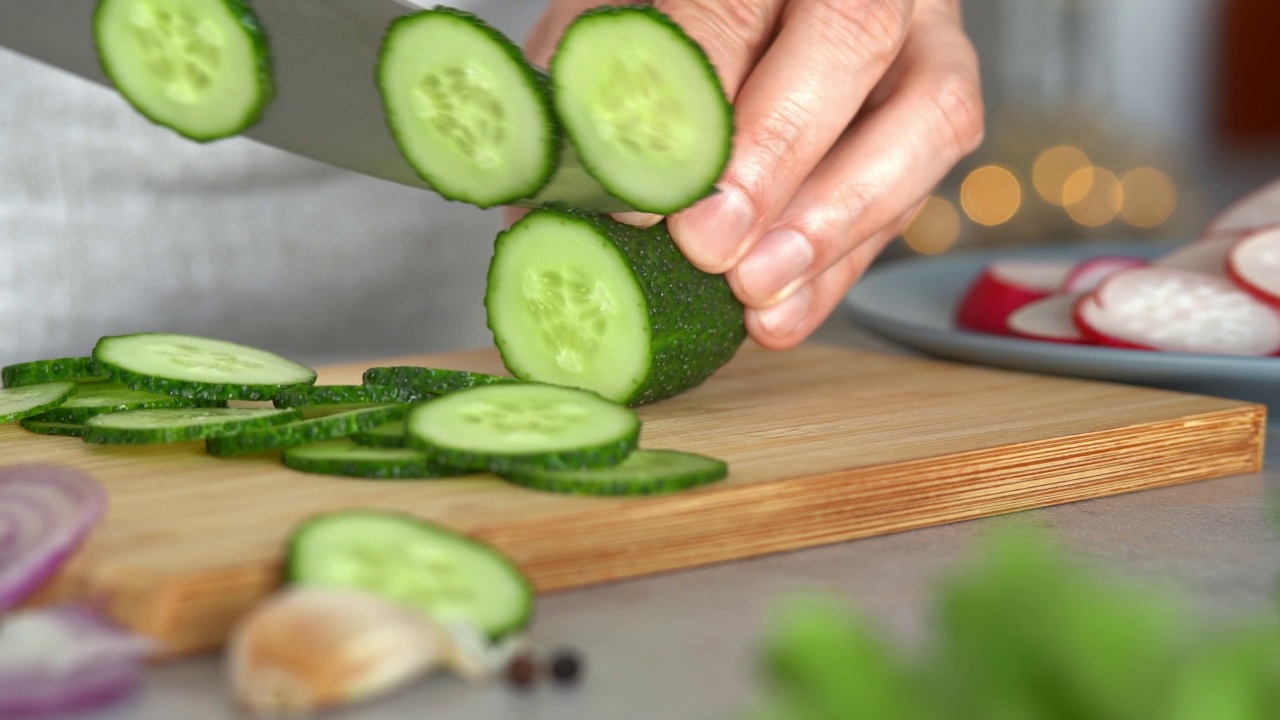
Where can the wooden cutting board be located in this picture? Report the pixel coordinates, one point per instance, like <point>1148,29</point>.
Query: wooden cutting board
<point>825,444</point>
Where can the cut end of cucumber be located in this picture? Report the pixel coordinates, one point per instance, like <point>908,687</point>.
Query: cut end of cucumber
<point>466,109</point>
<point>643,106</point>
<point>199,67</point>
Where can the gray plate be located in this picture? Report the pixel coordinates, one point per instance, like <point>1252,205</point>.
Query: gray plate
<point>912,302</point>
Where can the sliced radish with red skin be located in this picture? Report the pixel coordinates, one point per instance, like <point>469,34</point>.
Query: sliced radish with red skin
<point>1049,318</point>
<point>1257,208</point>
<point>1088,274</point>
<point>1174,310</point>
<point>1207,255</point>
<point>1005,286</point>
<point>1254,264</point>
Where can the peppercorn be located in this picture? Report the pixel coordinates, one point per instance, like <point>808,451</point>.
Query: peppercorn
<point>565,667</point>
<point>521,671</point>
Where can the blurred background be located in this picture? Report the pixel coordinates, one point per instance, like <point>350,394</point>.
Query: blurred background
<point>1106,119</point>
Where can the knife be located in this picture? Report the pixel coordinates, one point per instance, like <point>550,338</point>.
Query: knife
<point>324,54</point>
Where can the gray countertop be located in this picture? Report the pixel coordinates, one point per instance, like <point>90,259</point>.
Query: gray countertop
<point>680,645</point>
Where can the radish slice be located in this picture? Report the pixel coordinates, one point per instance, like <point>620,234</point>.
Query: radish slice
<point>1207,255</point>
<point>1049,318</point>
<point>1254,264</point>
<point>64,659</point>
<point>1156,308</point>
<point>46,511</point>
<point>1005,286</point>
<point>1090,273</point>
<point>1259,207</point>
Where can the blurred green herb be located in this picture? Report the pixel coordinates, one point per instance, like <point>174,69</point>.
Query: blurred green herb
<point>1022,633</point>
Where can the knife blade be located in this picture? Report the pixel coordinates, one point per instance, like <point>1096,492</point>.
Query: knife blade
<point>324,54</point>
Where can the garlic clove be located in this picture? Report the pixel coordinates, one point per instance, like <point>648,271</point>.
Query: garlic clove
<point>473,656</point>
<point>307,649</point>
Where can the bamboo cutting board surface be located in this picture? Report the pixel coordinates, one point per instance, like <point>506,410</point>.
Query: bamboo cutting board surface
<point>825,444</point>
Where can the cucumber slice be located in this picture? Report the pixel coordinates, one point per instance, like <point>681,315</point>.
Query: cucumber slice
<point>46,427</point>
<point>80,369</point>
<point>346,395</point>
<point>301,432</point>
<point>465,107</point>
<point>99,398</point>
<point>27,400</point>
<point>324,410</point>
<point>389,435</point>
<point>573,186</point>
<point>447,575</point>
<point>428,380</point>
<point>201,68</point>
<point>197,367</point>
<point>643,107</point>
<point>643,472</point>
<point>168,425</point>
<point>505,427</point>
<point>344,457</point>
<point>584,301</point>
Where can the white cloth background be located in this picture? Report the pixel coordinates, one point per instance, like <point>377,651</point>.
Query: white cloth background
<point>109,224</point>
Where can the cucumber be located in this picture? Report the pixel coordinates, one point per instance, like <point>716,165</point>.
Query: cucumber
<point>107,397</point>
<point>201,68</point>
<point>389,435</point>
<point>197,367</point>
<point>344,457</point>
<point>301,432</point>
<point>346,395</point>
<point>642,106</point>
<point>47,427</point>
<point>506,427</point>
<point>80,369</point>
<point>582,300</point>
<point>643,472</point>
<point>428,380</point>
<point>449,576</point>
<point>27,400</point>
<point>326,409</point>
<point>468,112</point>
<point>168,425</point>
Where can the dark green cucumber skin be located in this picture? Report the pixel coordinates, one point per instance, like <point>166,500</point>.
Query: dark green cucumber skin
<point>74,414</point>
<point>657,15</point>
<point>157,436</point>
<point>301,432</point>
<point>696,323</point>
<point>248,20</point>
<point>346,394</point>
<point>293,551</point>
<point>428,380</point>
<point>380,437</point>
<point>536,79</point>
<point>598,481</point>
<point>40,426</point>
<point>41,371</point>
<point>195,390</point>
<point>43,409</point>
<point>399,468</point>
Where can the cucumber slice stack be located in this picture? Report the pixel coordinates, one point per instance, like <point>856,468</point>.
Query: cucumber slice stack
<point>80,369</point>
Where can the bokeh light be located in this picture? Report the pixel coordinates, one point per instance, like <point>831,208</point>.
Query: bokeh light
<point>1148,197</point>
<point>934,228</point>
<point>1053,167</point>
<point>991,195</point>
<point>1093,196</point>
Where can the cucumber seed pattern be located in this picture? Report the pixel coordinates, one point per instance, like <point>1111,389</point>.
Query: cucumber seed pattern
<point>194,357</point>
<point>635,108</point>
<point>407,573</point>
<point>571,312</point>
<point>521,419</point>
<point>180,50</point>
<point>459,104</point>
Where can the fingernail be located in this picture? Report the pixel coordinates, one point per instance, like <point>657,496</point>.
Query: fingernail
<point>712,231</point>
<point>775,263</point>
<point>638,219</point>
<point>779,320</point>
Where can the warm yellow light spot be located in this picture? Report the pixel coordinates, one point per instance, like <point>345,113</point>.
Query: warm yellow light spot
<point>1051,169</point>
<point>934,228</point>
<point>991,195</point>
<point>1095,195</point>
<point>1149,197</point>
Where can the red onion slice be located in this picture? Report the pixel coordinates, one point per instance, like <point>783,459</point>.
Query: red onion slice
<point>63,659</point>
<point>46,511</point>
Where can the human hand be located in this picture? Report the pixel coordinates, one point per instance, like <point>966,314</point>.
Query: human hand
<point>848,113</point>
